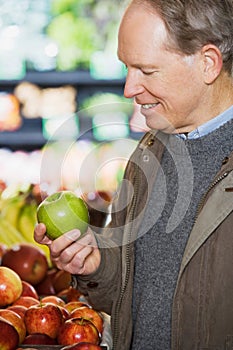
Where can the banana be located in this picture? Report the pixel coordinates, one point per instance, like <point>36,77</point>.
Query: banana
<point>9,235</point>
<point>11,208</point>
<point>26,221</point>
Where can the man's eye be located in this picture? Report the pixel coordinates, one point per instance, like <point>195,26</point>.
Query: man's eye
<point>148,72</point>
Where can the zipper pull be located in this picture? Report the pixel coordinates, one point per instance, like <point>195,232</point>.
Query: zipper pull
<point>229,189</point>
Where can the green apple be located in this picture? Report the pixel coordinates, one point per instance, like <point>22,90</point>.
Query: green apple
<point>61,212</point>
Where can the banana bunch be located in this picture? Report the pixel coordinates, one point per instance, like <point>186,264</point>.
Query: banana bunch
<point>10,209</point>
<point>18,219</point>
<point>9,235</point>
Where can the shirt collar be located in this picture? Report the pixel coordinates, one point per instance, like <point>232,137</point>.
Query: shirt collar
<point>209,126</point>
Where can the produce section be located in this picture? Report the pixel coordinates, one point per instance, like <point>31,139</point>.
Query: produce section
<point>64,126</point>
<point>51,85</point>
<point>60,316</point>
<point>36,284</point>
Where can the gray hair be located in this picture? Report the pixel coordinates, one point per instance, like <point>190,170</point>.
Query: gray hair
<point>191,24</point>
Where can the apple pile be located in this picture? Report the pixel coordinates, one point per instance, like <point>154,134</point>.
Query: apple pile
<point>31,264</point>
<point>27,260</point>
<point>57,318</point>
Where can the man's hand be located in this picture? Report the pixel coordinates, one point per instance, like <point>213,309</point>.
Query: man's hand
<point>76,256</point>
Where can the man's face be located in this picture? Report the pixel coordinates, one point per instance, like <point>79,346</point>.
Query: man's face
<point>168,86</point>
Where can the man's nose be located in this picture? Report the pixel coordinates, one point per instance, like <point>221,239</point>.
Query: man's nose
<point>133,85</point>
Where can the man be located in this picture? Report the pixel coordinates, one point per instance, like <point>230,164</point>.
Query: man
<point>163,269</point>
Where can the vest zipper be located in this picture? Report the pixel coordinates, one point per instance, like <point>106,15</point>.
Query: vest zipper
<point>201,204</point>
<point>127,258</point>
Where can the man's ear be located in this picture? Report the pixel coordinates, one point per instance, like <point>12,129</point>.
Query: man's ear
<point>212,62</point>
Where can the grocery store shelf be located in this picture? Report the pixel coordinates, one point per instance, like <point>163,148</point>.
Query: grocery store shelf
<point>30,137</point>
<point>54,78</point>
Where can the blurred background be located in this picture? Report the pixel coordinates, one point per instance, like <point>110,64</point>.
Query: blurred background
<point>64,123</point>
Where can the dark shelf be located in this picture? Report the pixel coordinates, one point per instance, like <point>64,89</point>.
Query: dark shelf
<point>30,136</point>
<point>54,78</point>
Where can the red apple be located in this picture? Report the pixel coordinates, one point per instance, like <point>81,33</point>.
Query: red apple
<point>26,301</point>
<point>39,339</point>
<point>82,346</point>
<point>29,290</point>
<point>28,260</point>
<point>61,212</point>
<point>9,337</point>
<point>72,305</point>
<point>19,309</point>
<point>16,321</point>
<point>53,299</point>
<point>78,330</point>
<point>44,318</point>
<point>10,286</point>
<point>45,287</point>
<point>70,294</point>
<point>61,280</point>
<point>89,314</point>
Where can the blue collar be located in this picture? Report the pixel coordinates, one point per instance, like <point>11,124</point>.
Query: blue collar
<point>209,126</point>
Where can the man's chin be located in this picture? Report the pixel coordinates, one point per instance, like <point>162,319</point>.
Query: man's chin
<point>160,123</point>
<point>163,127</point>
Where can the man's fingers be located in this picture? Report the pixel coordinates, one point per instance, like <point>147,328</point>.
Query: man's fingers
<point>71,237</point>
<point>74,250</point>
<point>40,234</point>
<point>83,262</point>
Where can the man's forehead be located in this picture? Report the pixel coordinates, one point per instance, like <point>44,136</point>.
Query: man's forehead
<point>147,28</point>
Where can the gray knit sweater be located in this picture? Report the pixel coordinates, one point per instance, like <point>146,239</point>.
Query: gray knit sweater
<point>187,169</point>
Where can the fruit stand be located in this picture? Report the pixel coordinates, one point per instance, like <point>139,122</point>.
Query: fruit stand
<point>40,309</point>
<point>36,281</point>
<point>26,180</point>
